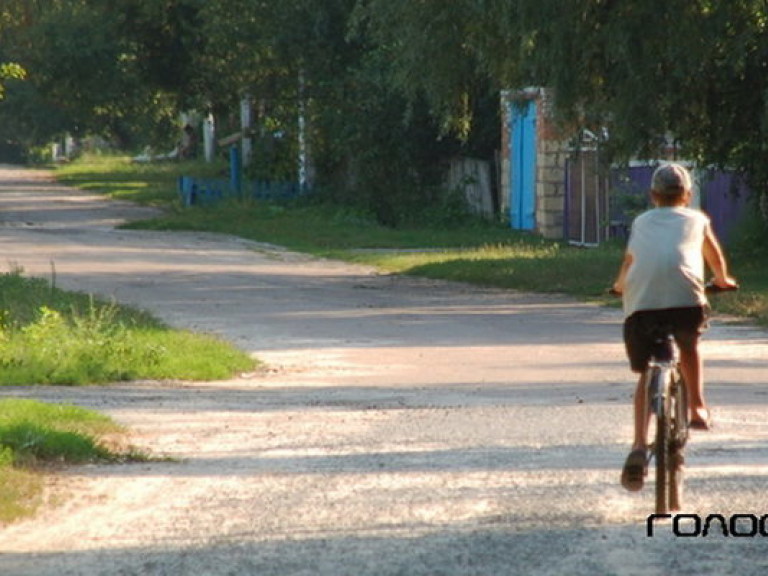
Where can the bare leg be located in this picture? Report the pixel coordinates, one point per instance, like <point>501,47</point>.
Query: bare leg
<point>691,368</point>
<point>635,467</point>
<point>642,415</point>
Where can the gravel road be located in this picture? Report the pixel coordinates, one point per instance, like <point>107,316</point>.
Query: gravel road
<point>403,426</point>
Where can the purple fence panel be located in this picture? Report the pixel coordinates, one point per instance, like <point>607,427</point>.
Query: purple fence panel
<point>723,195</point>
<point>724,198</point>
<point>629,197</point>
<point>641,176</point>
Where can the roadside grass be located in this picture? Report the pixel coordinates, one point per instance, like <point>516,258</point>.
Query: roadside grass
<point>35,436</point>
<point>50,336</point>
<point>481,253</point>
<point>319,229</point>
<point>120,178</point>
<point>521,265</point>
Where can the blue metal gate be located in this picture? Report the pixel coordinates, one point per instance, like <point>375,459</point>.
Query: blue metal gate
<point>522,185</point>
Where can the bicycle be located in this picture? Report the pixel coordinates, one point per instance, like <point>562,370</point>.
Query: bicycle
<point>667,400</point>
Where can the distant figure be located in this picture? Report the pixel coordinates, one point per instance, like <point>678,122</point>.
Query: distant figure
<point>188,146</point>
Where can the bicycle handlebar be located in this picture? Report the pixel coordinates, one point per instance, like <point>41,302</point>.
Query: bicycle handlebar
<point>709,288</point>
<point>712,288</point>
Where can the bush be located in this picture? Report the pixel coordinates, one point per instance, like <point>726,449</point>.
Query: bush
<point>48,336</point>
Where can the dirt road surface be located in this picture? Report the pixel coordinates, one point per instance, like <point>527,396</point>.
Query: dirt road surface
<point>403,426</point>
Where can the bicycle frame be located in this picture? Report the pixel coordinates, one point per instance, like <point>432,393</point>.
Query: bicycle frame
<point>664,358</point>
<point>667,400</point>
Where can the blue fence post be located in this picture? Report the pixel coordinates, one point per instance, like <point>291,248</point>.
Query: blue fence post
<point>187,191</point>
<point>235,170</point>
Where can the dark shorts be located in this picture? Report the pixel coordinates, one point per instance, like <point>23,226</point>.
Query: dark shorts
<point>640,329</point>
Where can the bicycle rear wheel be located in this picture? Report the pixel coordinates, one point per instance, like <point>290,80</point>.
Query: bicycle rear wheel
<point>679,436</point>
<point>676,481</point>
<point>660,404</point>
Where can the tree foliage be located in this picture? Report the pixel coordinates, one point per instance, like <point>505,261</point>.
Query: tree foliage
<point>642,72</point>
<point>9,70</point>
<point>392,89</point>
<point>693,70</point>
<point>426,44</point>
<point>637,71</point>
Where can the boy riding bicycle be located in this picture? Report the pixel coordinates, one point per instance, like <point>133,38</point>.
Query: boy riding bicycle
<point>662,281</point>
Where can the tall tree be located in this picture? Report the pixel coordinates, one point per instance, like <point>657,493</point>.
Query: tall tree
<point>636,70</point>
<point>428,47</point>
<point>79,78</point>
<point>647,70</point>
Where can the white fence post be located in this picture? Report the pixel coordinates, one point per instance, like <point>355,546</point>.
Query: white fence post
<point>302,120</point>
<point>246,121</point>
<point>209,137</point>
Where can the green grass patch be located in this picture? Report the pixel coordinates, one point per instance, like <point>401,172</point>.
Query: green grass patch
<point>521,265</point>
<point>50,336</point>
<point>484,255</point>
<point>320,229</point>
<point>481,253</point>
<point>117,176</point>
<point>751,300</point>
<point>22,490</point>
<point>305,225</point>
<point>34,435</point>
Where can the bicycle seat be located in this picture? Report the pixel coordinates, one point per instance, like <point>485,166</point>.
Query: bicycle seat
<point>663,341</point>
<point>663,348</point>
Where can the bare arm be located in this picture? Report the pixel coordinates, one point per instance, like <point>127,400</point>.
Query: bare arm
<point>618,285</point>
<point>713,256</point>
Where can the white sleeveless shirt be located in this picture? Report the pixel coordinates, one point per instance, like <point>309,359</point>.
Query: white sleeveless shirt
<point>667,270</point>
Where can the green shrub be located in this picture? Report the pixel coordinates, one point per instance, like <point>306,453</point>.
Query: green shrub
<point>34,434</point>
<point>32,443</point>
<point>48,336</point>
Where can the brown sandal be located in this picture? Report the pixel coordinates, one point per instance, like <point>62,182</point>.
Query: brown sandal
<point>634,471</point>
<point>701,423</point>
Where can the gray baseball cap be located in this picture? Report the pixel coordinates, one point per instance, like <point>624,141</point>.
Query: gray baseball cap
<point>671,179</point>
